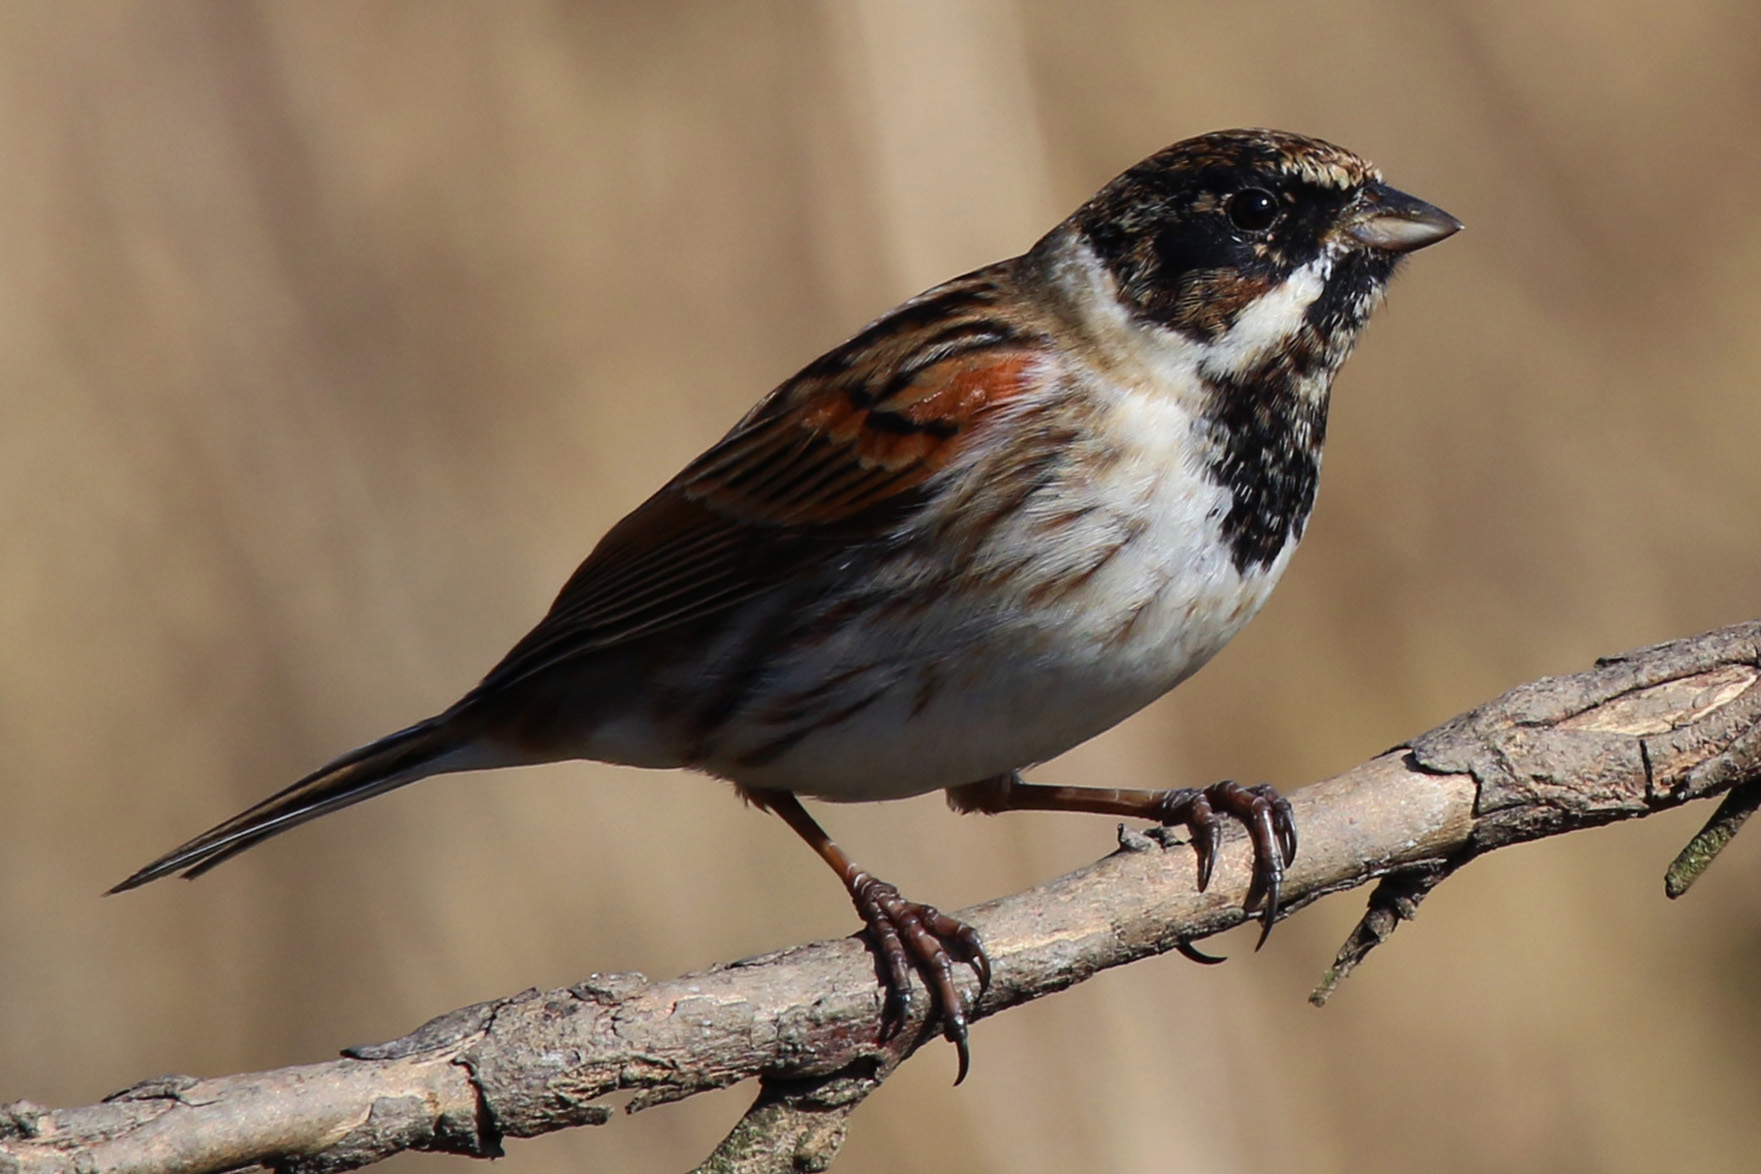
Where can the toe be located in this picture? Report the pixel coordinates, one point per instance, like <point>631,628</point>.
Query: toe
<point>910,936</point>
<point>1270,826</point>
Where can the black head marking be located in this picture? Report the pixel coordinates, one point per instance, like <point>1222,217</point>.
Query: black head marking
<point>1196,232</point>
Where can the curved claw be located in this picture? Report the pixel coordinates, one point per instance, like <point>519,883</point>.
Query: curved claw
<point>1270,825</point>
<point>896,1010</point>
<point>911,936</point>
<point>978,960</point>
<point>968,947</point>
<point>1286,822</point>
<point>1207,840</point>
<point>1269,915</point>
<point>1282,819</point>
<point>1193,809</point>
<point>1193,954</point>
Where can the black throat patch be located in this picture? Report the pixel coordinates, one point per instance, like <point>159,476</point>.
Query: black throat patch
<point>1196,236</point>
<point>1268,422</point>
<point>1268,435</point>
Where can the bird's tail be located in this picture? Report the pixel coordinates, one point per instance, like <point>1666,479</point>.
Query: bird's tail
<point>432,747</point>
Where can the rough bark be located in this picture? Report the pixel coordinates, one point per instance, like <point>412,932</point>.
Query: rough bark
<point>1638,733</point>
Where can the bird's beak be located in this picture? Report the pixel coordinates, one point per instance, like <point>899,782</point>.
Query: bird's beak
<point>1387,219</point>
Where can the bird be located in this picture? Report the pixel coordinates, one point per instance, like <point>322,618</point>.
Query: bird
<point>998,520</point>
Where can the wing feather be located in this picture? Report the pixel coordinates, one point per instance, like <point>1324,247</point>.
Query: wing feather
<point>825,461</point>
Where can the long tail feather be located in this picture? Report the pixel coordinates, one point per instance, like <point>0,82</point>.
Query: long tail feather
<point>430,747</point>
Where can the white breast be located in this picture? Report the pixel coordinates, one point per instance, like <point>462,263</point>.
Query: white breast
<point>1062,631</point>
<point>1109,587</point>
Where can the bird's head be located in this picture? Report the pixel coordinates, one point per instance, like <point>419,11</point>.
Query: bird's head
<point>1216,233</point>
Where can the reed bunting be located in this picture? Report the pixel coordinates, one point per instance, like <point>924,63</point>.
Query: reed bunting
<point>1000,519</point>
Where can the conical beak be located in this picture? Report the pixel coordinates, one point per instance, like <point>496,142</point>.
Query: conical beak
<point>1395,222</point>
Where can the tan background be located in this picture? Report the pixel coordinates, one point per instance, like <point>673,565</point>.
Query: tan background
<point>332,335</point>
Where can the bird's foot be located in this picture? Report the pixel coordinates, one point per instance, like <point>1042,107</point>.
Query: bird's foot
<point>1269,824</point>
<point>912,936</point>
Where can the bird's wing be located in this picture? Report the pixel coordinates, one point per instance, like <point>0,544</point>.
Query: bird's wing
<point>827,460</point>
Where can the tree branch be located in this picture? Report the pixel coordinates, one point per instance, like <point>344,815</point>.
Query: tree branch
<point>1636,734</point>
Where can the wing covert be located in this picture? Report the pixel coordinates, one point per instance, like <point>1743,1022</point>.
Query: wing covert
<point>828,459</point>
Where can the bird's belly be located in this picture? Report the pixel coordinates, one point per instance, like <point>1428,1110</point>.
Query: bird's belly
<point>976,682</point>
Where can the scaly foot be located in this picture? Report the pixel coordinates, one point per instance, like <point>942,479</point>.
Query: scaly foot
<point>1269,824</point>
<point>911,936</point>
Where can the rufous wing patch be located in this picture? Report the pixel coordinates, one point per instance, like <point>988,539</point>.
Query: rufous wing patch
<point>807,473</point>
<point>825,455</point>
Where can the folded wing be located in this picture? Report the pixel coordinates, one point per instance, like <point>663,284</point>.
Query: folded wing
<point>832,458</point>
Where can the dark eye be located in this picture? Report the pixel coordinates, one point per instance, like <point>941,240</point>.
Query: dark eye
<point>1252,210</point>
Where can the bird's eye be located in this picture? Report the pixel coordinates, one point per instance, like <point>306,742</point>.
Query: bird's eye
<point>1252,210</point>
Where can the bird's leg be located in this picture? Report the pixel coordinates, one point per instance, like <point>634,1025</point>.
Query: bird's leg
<point>906,934</point>
<point>1265,812</point>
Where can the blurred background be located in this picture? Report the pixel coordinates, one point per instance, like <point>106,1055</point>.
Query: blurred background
<point>332,335</point>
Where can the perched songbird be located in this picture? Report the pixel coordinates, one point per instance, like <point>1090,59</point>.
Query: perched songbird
<point>1002,518</point>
